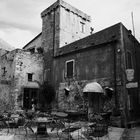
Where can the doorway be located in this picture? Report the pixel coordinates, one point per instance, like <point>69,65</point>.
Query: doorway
<point>30,97</point>
<point>134,103</point>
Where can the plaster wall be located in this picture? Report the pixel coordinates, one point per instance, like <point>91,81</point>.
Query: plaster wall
<point>70,23</point>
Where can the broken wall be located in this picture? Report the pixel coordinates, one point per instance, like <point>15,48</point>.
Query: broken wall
<point>27,63</point>
<point>7,67</point>
<point>15,67</point>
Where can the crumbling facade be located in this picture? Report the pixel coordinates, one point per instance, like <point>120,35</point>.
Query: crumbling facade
<point>21,74</point>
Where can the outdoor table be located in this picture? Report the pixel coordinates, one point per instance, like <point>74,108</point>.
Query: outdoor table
<point>7,137</point>
<point>42,124</point>
<point>75,115</point>
<point>59,114</point>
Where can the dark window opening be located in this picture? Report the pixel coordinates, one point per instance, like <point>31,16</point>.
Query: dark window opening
<point>129,63</point>
<point>4,71</point>
<point>70,68</point>
<point>40,50</point>
<point>30,77</point>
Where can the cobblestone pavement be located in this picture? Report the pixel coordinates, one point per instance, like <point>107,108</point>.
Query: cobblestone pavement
<point>131,134</point>
<point>114,134</point>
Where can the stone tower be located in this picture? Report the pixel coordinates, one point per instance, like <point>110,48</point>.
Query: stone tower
<point>61,24</point>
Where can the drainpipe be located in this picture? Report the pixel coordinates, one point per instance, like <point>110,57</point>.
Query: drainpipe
<point>125,109</point>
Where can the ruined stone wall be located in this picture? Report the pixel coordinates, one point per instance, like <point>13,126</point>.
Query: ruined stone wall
<point>25,63</point>
<point>7,81</point>
<point>15,67</point>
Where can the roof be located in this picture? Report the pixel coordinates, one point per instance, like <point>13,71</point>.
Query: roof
<point>68,7</point>
<point>107,35</point>
<point>32,40</point>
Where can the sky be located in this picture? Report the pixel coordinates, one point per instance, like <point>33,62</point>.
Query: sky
<point>20,20</point>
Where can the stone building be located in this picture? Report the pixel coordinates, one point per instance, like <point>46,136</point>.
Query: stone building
<point>74,57</point>
<point>20,75</point>
<point>34,45</point>
<point>109,57</point>
<point>61,25</point>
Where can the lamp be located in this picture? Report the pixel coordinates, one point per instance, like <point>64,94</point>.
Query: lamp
<point>67,90</point>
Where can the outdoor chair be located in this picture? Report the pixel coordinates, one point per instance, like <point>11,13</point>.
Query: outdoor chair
<point>99,130</point>
<point>58,125</point>
<point>28,128</point>
<point>4,126</point>
<point>9,122</point>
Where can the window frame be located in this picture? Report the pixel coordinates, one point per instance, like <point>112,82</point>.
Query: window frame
<point>30,79</point>
<point>73,71</point>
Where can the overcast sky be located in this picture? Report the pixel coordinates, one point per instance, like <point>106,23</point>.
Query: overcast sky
<point>20,20</point>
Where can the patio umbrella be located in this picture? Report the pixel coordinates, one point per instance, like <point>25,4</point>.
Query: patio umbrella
<point>93,87</point>
<point>93,90</point>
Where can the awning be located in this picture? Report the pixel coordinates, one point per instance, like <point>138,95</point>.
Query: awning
<point>93,87</point>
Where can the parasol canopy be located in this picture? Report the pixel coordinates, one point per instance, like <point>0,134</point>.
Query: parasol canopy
<point>93,87</point>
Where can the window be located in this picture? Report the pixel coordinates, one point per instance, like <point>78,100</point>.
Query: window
<point>70,68</point>
<point>129,63</point>
<point>4,71</point>
<point>30,77</point>
<point>40,50</point>
<point>82,27</point>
